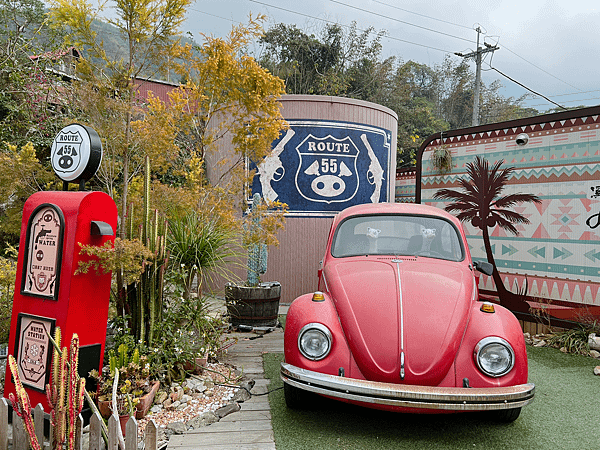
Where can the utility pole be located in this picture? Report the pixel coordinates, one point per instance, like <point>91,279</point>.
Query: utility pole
<point>477,55</point>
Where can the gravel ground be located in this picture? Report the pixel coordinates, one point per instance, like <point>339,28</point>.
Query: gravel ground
<point>215,396</point>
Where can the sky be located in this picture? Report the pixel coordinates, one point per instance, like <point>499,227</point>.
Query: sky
<point>550,47</point>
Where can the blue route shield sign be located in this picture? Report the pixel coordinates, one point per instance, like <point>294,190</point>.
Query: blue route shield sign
<point>320,167</point>
<point>327,171</point>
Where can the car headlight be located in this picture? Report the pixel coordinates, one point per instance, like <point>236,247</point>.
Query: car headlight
<point>314,341</point>
<point>494,356</point>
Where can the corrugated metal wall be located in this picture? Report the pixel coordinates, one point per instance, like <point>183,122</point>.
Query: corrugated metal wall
<point>295,262</point>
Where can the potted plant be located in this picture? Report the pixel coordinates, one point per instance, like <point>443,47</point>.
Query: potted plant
<point>256,303</point>
<point>134,387</point>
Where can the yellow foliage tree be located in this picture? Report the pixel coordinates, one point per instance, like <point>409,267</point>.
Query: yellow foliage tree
<point>22,174</point>
<point>151,31</point>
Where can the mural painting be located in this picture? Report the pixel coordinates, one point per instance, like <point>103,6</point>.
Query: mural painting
<point>320,167</point>
<point>554,173</point>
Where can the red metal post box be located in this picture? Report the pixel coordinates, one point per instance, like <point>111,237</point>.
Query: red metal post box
<point>48,293</point>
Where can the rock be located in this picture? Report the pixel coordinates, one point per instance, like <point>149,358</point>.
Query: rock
<point>564,349</point>
<point>160,397</point>
<point>595,354</point>
<point>175,404</point>
<point>176,393</point>
<point>156,408</point>
<point>227,409</point>
<point>241,396</point>
<point>209,384</point>
<point>182,406</point>
<point>185,398</point>
<point>177,427</point>
<point>594,341</point>
<point>167,403</point>
<point>597,370</point>
<point>208,393</point>
<point>539,343</point>
<point>196,385</point>
<point>203,420</point>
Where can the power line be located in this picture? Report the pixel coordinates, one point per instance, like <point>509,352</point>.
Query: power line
<point>539,68</point>
<point>422,15</point>
<point>387,36</point>
<point>213,15</point>
<point>399,21</point>
<point>530,90</point>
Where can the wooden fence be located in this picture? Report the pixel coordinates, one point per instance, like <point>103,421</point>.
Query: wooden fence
<point>20,440</point>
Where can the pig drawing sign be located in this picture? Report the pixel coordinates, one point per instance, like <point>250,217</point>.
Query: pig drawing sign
<point>320,167</point>
<point>327,170</point>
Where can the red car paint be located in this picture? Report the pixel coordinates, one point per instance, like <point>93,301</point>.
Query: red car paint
<point>400,316</point>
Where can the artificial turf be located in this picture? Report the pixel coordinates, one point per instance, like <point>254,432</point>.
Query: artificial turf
<point>564,415</point>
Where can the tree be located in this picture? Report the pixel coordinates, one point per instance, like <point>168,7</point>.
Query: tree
<point>228,94</point>
<point>107,90</point>
<point>150,29</point>
<point>29,94</point>
<point>336,62</point>
<point>31,97</point>
<point>481,204</point>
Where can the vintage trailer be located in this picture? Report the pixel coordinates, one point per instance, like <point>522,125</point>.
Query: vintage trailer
<point>554,258</point>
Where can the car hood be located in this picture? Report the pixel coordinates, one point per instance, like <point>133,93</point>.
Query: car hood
<point>387,306</point>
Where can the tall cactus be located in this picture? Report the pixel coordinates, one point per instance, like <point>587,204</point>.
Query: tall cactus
<point>257,251</point>
<point>145,297</point>
<point>21,404</point>
<point>65,392</point>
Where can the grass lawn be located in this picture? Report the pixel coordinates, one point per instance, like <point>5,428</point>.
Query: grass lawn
<point>564,415</point>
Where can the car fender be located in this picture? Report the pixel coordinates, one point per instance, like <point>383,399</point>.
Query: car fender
<point>303,311</point>
<point>500,323</point>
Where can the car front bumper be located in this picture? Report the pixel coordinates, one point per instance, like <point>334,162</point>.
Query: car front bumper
<point>408,396</point>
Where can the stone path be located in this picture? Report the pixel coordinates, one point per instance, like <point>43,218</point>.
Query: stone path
<point>250,427</point>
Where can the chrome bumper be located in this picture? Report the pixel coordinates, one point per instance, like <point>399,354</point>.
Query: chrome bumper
<point>409,396</point>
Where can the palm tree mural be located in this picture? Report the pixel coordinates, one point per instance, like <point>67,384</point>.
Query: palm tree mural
<point>481,204</point>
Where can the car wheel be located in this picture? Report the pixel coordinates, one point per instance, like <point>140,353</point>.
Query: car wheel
<point>507,415</point>
<point>296,398</point>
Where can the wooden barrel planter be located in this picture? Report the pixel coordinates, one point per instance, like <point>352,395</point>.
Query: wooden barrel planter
<point>255,306</point>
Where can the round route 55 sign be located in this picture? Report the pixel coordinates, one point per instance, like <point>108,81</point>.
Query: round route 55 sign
<point>76,153</point>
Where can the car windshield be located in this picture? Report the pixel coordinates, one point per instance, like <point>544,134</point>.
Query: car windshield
<point>428,236</point>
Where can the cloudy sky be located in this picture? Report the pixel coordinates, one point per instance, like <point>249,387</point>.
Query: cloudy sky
<point>551,47</point>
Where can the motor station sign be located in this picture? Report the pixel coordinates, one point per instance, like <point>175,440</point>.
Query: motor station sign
<point>33,349</point>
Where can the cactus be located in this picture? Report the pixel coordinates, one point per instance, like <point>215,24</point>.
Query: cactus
<point>145,297</point>
<point>21,405</point>
<point>257,251</point>
<point>66,389</point>
<point>65,392</point>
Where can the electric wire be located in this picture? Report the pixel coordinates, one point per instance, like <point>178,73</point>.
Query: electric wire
<point>422,15</point>
<point>400,21</point>
<point>539,68</point>
<point>530,90</point>
<point>212,15</point>
<point>387,36</point>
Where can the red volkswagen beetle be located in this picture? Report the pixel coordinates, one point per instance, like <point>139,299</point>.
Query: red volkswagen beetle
<point>397,323</point>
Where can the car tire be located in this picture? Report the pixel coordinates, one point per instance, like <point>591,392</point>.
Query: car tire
<point>507,415</point>
<point>296,398</point>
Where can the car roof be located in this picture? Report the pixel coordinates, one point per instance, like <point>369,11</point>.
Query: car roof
<point>394,208</point>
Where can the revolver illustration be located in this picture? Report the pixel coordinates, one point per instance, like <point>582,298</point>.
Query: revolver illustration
<point>271,168</point>
<point>375,172</point>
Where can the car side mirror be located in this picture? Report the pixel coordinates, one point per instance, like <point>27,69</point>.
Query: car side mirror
<point>484,267</point>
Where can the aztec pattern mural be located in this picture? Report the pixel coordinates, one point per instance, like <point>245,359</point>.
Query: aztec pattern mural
<point>556,255</point>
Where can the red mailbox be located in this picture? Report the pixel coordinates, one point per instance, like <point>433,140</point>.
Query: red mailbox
<point>48,293</point>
